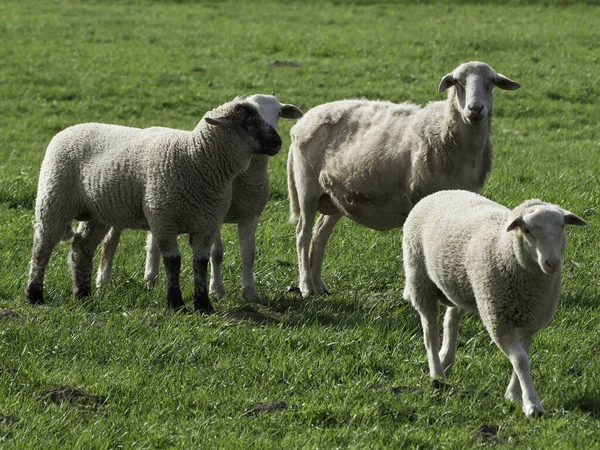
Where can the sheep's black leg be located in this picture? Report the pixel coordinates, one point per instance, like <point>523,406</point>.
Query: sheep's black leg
<point>201,244</point>
<point>172,270</point>
<point>201,301</point>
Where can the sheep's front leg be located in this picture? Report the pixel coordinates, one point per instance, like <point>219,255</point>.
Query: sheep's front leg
<point>89,234</point>
<point>152,268</point>
<point>323,229</point>
<point>452,320</point>
<point>216,261</point>
<point>109,247</point>
<point>431,336</point>
<point>201,245</point>
<point>247,238</point>
<point>513,391</point>
<point>172,260</point>
<point>506,339</point>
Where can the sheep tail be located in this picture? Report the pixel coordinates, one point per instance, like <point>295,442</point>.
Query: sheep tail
<point>292,191</point>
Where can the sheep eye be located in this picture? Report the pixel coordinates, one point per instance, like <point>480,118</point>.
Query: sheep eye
<point>526,231</point>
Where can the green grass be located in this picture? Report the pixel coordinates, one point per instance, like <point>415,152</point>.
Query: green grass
<point>350,367</point>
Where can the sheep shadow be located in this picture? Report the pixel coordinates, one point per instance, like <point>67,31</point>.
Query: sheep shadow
<point>588,404</point>
<point>339,311</point>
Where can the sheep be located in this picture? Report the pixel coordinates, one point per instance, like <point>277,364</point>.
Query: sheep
<point>475,255</point>
<point>249,197</point>
<point>372,161</point>
<point>166,181</point>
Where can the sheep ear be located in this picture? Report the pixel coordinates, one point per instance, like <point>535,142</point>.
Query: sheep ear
<point>572,219</point>
<point>517,222</point>
<point>219,121</point>
<point>290,112</point>
<point>506,83</point>
<point>447,81</point>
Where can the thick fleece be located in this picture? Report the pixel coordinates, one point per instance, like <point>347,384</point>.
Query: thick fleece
<point>166,181</point>
<point>372,161</point>
<point>250,194</point>
<point>475,255</point>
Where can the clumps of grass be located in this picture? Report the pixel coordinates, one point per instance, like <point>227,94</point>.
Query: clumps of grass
<point>73,396</point>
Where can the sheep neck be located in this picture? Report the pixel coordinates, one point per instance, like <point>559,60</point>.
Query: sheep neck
<point>222,157</point>
<point>522,261</point>
<point>471,138</point>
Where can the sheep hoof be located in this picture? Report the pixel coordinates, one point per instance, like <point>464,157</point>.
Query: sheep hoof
<point>217,291</point>
<point>206,309</point>
<point>533,410</point>
<point>35,294</point>
<point>151,282</point>
<point>292,289</point>
<point>438,383</point>
<point>82,292</point>
<point>323,291</point>
<point>175,301</point>
<point>250,294</point>
<point>202,304</point>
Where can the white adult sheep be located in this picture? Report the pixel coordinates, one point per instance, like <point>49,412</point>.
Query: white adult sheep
<point>249,197</point>
<point>475,255</point>
<point>372,161</point>
<point>168,182</point>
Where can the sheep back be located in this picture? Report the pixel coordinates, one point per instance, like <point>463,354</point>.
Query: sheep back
<point>458,240</point>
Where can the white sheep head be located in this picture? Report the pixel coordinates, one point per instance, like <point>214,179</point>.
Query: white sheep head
<point>473,82</point>
<point>540,229</point>
<point>271,110</point>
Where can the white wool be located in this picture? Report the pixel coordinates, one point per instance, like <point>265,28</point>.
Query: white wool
<point>372,161</point>
<point>250,193</point>
<point>163,180</point>
<point>475,255</point>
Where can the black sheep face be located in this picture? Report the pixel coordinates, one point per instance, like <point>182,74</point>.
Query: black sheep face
<point>247,122</point>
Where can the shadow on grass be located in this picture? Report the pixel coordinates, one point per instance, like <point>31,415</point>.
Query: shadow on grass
<point>355,310</point>
<point>587,404</point>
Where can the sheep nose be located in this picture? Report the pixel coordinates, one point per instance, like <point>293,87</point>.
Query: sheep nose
<point>552,263</point>
<point>476,108</point>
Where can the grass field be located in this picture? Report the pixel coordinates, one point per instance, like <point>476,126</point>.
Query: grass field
<point>344,371</point>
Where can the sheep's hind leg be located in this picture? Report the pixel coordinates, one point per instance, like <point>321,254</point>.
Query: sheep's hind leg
<point>109,247</point>
<point>43,244</point>
<point>89,234</point>
<point>303,239</point>
<point>506,339</point>
<point>201,244</point>
<point>450,340</point>
<point>429,320</point>
<point>216,261</point>
<point>152,268</point>
<point>322,232</point>
<point>247,238</point>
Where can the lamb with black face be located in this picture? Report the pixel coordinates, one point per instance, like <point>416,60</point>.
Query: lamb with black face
<point>268,141</point>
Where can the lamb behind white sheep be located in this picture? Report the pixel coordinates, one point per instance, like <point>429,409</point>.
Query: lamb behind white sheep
<point>475,255</point>
<point>372,161</point>
<point>166,181</point>
<point>249,197</point>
